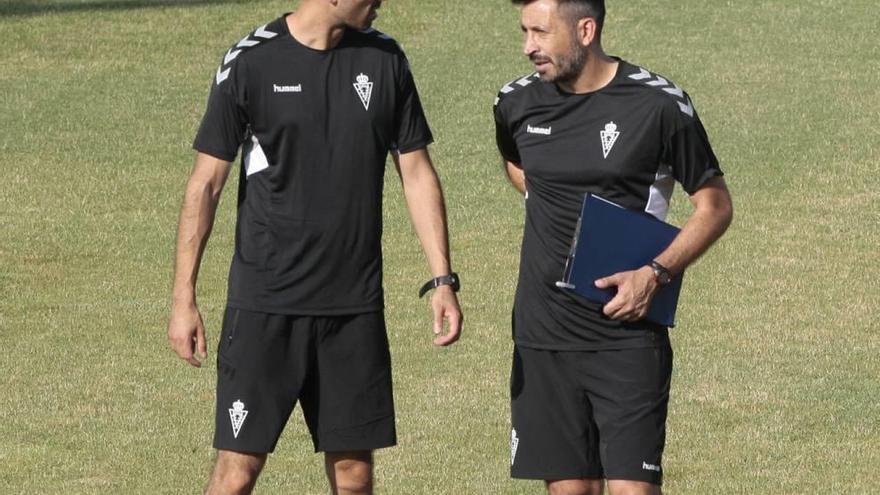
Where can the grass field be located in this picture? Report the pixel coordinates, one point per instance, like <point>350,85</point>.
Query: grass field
<point>777,379</point>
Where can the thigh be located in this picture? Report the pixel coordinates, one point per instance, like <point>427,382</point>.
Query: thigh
<point>553,436</point>
<point>349,403</point>
<point>262,361</point>
<point>629,390</point>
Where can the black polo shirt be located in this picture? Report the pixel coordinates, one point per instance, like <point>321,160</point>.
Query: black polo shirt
<point>628,142</point>
<point>316,127</point>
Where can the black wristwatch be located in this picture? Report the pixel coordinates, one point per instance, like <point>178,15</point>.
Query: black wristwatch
<point>451,279</point>
<point>661,274</point>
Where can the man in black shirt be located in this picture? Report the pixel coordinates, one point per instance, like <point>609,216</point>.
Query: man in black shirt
<point>590,383</point>
<point>315,99</point>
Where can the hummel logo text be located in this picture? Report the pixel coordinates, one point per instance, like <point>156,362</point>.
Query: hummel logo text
<point>650,467</point>
<point>287,89</point>
<point>546,131</point>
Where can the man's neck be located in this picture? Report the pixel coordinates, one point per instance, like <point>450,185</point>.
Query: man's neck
<point>314,26</point>
<point>597,73</point>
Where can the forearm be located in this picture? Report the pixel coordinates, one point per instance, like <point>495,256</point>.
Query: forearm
<point>194,227</point>
<point>706,225</point>
<point>424,198</point>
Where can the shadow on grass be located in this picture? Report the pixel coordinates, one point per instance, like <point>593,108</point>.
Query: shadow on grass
<point>26,8</point>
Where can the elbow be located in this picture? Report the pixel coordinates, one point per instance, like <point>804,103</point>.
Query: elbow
<point>201,191</point>
<point>724,213</point>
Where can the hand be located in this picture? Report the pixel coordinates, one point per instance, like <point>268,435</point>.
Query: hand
<point>635,290</point>
<point>186,332</point>
<point>445,306</point>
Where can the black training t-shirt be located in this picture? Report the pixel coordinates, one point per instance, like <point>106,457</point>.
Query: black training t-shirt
<point>316,128</point>
<point>628,142</point>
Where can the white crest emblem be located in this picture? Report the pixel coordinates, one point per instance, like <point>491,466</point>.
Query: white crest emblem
<point>237,415</point>
<point>609,137</point>
<point>364,89</point>
<point>514,443</point>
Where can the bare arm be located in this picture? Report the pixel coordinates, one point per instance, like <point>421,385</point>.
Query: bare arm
<point>713,212</point>
<point>186,332</point>
<point>424,198</point>
<point>516,176</point>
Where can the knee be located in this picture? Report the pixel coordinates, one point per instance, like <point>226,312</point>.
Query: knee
<point>575,487</point>
<point>350,472</point>
<point>632,488</point>
<point>235,473</point>
<point>353,476</point>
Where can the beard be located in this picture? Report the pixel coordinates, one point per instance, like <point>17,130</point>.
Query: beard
<point>568,66</point>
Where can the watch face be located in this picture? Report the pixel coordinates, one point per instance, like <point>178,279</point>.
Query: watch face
<point>661,275</point>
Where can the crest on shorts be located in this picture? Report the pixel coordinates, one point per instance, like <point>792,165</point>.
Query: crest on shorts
<point>364,89</point>
<point>609,137</point>
<point>237,415</point>
<point>514,443</point>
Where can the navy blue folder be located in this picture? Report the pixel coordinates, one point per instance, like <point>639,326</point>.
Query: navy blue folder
<point>611,239</point>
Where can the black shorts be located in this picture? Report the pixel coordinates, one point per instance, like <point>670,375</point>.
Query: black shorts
<point>594,414</point>
<point>338,367</point>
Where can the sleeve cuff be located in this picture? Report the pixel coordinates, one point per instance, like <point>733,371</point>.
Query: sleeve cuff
<point>416,145</point>
<point>222,155</point>
<point>707,175</point>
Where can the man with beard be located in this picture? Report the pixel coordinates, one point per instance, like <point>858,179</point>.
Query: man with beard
<point>317,99</point>
<point>590,383</point>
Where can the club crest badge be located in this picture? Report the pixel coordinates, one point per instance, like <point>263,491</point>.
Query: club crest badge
<point>609,137</point>
<point>364,89</point>
<point>237,415</point>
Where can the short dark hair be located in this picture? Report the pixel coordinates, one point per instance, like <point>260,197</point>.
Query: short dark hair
<point>578,9</point>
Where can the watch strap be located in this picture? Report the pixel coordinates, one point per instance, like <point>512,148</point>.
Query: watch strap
<point>451,280</point>
<point>661,273</point>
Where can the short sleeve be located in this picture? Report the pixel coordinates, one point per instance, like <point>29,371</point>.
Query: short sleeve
<point>412,131</point>
<point>224,123</point>
<point>504,137</point>
<point>688,153</point>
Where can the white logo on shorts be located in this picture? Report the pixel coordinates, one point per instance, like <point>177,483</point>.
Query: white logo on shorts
<point>514,443</point>
<point>237,415</point>
<point>650,467</point>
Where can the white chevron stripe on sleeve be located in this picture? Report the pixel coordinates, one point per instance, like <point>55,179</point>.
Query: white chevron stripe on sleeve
<point>687,109</point>
<point>507,89</point>
<point>261,32</point>
<point>675,90</point>
<point>668,87</point>
<point>525,81</point>
<point>247,42</point>
<point>230,56</point>
<point>659,82</point>
<point>643,74</point>
<point>221,76</point>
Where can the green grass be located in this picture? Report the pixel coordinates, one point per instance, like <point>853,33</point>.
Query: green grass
<point>777,379</point>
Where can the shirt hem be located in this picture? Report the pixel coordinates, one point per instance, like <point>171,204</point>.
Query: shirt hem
<point>306,311</point>
<point>615,346</point>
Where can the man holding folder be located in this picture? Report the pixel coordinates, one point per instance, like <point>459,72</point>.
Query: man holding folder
<point>590,382</point>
